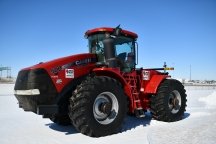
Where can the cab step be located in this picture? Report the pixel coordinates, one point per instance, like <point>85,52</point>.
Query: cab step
<point>139,112</point>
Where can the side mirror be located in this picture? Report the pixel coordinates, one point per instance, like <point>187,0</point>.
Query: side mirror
<point>136,50</point>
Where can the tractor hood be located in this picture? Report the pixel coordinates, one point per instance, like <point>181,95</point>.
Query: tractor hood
<point>58,71</point>
<point>54,66</point>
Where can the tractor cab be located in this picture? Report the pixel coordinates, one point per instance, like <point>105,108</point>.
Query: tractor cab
<point>124,46</point>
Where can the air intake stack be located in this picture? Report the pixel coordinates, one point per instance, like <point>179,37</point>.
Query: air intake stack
<point>109,51</point>
<point>109,47</point>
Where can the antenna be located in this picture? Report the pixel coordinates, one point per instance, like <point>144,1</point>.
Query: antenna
<point>117,31</point>
<point>164,66</point>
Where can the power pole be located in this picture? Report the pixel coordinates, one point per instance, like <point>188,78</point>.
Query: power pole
<point>1,71</point>
<point>190,72</point>
<point>173,70</point>
<point>8,72</point>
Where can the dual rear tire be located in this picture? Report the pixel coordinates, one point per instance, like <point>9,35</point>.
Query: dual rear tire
<point>169,103</point>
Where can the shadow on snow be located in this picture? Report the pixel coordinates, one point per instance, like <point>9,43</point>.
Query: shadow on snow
<point>131,122</point>
<point>66,129</point>
<point>186,115</point>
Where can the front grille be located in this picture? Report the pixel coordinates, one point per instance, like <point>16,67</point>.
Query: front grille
<point>35,79</point>
<point>22,79</point>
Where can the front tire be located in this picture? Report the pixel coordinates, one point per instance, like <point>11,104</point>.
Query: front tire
<point>98,106</point>
<point>169,103</point>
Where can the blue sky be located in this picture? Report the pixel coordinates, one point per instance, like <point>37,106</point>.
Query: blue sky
<point>178,32</point>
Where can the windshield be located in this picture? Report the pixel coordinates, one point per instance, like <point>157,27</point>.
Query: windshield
<point>124,49</point>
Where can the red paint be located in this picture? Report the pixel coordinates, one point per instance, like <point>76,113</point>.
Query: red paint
<point>108,29</point>
<point>78,71</point>
<point>153,84</point>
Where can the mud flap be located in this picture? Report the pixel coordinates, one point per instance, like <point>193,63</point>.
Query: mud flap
<point>47,109</point>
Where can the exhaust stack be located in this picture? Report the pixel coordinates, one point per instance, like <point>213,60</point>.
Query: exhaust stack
<point>109,51</point>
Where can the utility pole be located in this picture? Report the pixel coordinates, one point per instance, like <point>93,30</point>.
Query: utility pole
<point>173,70</point>
<point>7,71</point>
<point>1,72</point>
<point>190,72</point>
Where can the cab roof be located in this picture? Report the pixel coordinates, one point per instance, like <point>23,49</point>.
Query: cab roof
<point>108,29</point>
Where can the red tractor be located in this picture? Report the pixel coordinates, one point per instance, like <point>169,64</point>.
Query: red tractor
<point>94,91</point>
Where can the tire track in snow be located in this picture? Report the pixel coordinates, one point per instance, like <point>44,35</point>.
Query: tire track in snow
<point>199,130</point>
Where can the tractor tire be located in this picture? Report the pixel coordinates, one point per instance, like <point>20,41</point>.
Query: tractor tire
<point>61,119</point>
<point>98,106</point>
<point>169,103</point>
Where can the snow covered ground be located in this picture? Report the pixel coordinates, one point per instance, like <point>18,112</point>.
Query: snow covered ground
<point>198,125</point>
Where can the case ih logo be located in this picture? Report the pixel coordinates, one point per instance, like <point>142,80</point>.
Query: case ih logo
<point>78,63</point>
<point>83,62</point>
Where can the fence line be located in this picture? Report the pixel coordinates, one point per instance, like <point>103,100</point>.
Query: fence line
<point>200,87</point>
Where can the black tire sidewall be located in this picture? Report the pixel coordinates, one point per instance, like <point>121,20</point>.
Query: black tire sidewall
<point>118,92</point>
<point>175,85</point>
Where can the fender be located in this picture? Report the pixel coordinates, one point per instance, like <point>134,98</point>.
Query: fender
<point>64,95</point>
<point>115,73</point>
<point>155,81</point>
<point>69,86</point>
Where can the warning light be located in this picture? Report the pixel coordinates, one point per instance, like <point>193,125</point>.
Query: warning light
<point>102,29</point>
<point>172,68</point>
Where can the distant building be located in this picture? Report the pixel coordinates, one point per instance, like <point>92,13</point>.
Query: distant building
<point>209,82</point>
<point>186,81</point>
